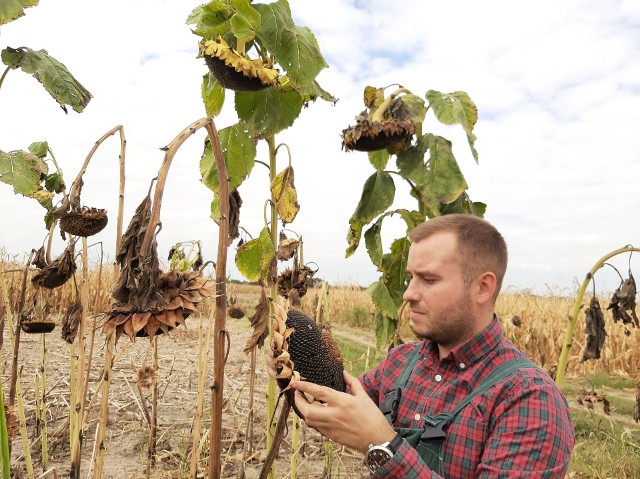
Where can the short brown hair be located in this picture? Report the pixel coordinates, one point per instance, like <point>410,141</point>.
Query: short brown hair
<point>481,246</point>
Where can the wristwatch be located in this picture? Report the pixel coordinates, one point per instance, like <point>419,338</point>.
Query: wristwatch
<point>378,455</point>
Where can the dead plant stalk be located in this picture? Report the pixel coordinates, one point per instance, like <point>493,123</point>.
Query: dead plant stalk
<point>99,446</point>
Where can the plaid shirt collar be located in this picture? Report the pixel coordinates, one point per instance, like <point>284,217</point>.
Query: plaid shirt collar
<point>473,350</point>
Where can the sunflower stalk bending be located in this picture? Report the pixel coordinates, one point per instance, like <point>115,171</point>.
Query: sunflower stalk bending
<point>378,113</point>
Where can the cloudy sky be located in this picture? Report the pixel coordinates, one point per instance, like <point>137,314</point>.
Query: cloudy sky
<point>557,86</point>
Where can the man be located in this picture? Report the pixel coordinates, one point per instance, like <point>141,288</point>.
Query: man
<point>409,416</point>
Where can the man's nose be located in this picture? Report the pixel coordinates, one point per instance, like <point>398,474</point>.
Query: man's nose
<point>410,293</point>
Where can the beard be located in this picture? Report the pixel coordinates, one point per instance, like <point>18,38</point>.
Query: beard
<point>450,327</point>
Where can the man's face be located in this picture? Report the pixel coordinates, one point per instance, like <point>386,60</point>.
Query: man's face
<point>441,308</point>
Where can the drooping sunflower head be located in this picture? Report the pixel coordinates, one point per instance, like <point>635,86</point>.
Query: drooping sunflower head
<point>85,221</point>
<point>178,294</point>
<point>368,135</point>
<point>235,71</point>
<point>58,272</point>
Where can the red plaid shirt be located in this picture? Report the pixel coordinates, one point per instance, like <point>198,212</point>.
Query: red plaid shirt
<point>520,428</point>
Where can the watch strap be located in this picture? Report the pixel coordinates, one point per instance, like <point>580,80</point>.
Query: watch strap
<point>395,444</point>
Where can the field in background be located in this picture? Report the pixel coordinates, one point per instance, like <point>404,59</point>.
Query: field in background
<point>608,445</point>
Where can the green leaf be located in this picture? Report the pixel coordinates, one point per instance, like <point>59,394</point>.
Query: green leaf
<point>411,218</point>
<point>215,207</point>
<point>285,195</point>
<point>12,9</point>
<point>239,152</point>
<point>373,239</point>
<point>268,111</point>
<point>445,181</point>
<point>353,236</point>
<point>373,242</point>
<point>382,299</point>
<point>212,95</point>
<point>477,208</point>
<point>385,327</point>
<point>54,183</point>
<point>394,267</point>
<point>463,205</point>
<point>39,148</point>
<point>294,47</point>
<point>377,195</point>
<point>211,20</point>
<point>245,21</point>
<point>25,172</point>
<point>313,91</point>
<point>455,108</point>
<point>411,163</point>
<point>53,75</point>
<point>379,159</point>
<point>255,258</point>
<point>413,109</point>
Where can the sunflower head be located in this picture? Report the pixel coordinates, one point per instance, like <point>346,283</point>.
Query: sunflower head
<point>368,135</point>
<point>234,71</point>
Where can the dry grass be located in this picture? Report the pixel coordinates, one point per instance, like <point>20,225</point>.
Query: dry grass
<point>542,325</point>
<point>543,319</point>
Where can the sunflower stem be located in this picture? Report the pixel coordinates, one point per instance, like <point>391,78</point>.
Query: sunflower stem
<point>98,446</point>
<point>220,311</point>
<point>15,345</point>
<point>78,399</point>
<point>271,383</point>
<point>151,450</point>
<point>43,404</point>
<point>378,113</point>
<point>577,306</point>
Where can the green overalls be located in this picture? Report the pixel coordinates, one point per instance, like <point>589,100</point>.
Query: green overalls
<point>429,441</point>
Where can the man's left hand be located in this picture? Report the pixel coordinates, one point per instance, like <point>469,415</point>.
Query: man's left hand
<point>352,420</point>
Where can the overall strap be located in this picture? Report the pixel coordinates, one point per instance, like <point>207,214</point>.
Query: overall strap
<point>389,404</point>
<point>439,421</point>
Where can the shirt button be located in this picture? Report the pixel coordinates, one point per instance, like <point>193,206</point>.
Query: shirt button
<point>416,417</point>
<point>438,378</point>
<point>463,365</point>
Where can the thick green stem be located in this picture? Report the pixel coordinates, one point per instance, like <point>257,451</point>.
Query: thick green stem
<point>271,383</point>
<point>577,306</point>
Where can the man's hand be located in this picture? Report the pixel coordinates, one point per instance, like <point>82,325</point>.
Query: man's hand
<point>351,419</point>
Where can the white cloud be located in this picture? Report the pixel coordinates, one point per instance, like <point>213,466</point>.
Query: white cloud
<point>556,85</point>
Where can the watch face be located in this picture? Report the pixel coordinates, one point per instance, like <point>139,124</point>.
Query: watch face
<point>377,456</point>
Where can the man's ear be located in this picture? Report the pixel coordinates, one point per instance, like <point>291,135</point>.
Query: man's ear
<point>486,287</point>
